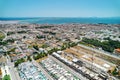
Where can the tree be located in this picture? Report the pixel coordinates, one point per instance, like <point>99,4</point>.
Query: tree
<point>24,37</point>
<point>63,47</point>
<point>35,47</point>
<point>40,36</point>
<point>19,61</point>
<point>44,46</point>
<point>108,45</point>
<point>3,43</point>
<point>29,58</point>
<point>115,72</point>
<point>10,40</point>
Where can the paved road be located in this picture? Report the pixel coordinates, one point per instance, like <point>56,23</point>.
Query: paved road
<point>19,48</point>
<point>69,69</point>
<point>13,72</point>
<point>40,67</point>
<point>4,34</point>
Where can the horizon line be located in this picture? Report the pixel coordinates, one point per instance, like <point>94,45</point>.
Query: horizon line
<point>62,17</point>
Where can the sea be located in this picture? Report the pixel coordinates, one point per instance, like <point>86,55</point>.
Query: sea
<point>65,20</point>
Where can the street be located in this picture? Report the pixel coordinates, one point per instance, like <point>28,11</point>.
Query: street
<point>39,66</point>
<point>69,69</point>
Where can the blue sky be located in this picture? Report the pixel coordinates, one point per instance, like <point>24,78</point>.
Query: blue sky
<point>59,8</point>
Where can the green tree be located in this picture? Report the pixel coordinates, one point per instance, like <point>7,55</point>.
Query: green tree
<point>19,61</point>
<point>35,47</point>
<point>29,58</point>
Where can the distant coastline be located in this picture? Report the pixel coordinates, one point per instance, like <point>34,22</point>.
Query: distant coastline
<point>62,20</point>
<point>9,22</point>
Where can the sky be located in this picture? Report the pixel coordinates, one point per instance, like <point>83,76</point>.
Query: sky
<point>59,8</point>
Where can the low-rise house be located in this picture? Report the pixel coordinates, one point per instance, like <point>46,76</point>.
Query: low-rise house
<point>117,51</point>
